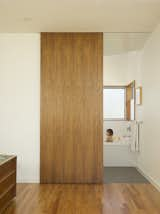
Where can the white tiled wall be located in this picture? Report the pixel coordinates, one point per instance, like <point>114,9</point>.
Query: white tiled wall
<point>119,128</point>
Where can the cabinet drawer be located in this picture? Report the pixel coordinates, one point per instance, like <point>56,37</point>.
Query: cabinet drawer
<point>6,198</point>
<point>7,183</point>
<point>7,168</point>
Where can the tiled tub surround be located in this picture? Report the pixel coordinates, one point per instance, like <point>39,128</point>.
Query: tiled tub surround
<point>119,152</point>
<point>122,129</point>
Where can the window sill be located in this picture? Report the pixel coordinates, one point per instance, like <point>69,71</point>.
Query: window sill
<point>117,120</point>
<point>116,144</point>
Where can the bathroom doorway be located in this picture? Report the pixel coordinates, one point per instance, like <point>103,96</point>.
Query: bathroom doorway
<point>121,139</point>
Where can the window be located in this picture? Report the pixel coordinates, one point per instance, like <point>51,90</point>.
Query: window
<point>114,103</point>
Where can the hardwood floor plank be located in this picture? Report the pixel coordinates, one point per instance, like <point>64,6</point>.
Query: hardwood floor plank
<point>85,199</point>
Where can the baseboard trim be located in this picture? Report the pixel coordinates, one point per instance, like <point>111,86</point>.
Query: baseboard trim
<point>149,178</point>
<point>28,181</point>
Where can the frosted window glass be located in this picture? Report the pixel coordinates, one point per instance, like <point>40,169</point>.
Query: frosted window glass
<point>114,103</point>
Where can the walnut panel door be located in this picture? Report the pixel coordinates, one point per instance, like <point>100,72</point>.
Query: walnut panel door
<point>71,108</point>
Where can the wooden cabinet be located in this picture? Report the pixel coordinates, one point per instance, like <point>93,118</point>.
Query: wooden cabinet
<point>7,180</point>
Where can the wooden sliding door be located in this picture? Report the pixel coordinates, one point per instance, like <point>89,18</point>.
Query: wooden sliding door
<point>71,108</point>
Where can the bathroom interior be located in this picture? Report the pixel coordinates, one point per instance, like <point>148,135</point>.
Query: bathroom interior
<point>122,106</point>
<point>75,155</point>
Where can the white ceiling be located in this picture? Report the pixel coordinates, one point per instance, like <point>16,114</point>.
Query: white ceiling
<point>79,15</point>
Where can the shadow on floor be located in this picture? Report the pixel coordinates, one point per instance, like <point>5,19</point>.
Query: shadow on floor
<point>123,175</point>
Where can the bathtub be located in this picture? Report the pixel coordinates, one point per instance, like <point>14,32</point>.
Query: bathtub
<point>118,154</point>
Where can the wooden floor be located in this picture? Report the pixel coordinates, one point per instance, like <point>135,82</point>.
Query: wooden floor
<point>85,199</point>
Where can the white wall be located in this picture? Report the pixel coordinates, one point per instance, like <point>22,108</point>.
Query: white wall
<point>149,158</point>
<point>115,69</point>
<point>20,101</point>
<point>121,69</point>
